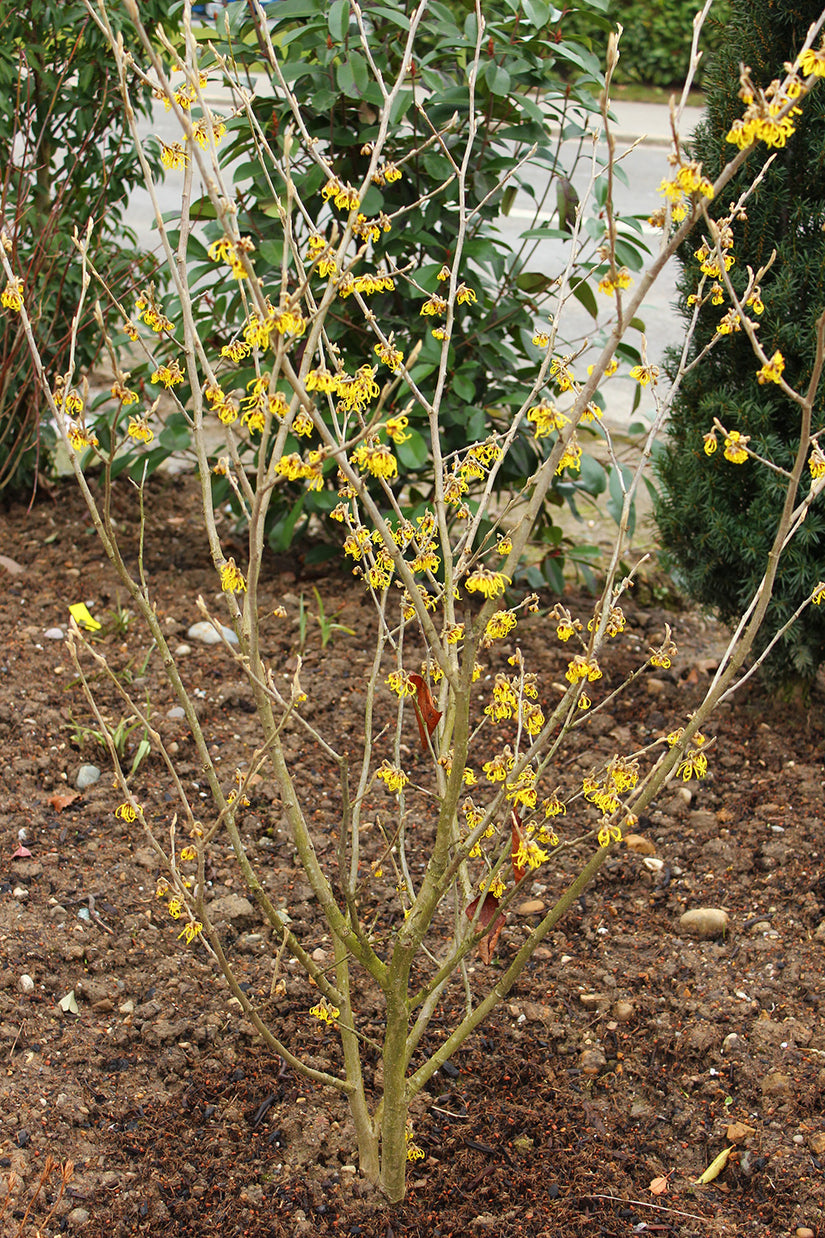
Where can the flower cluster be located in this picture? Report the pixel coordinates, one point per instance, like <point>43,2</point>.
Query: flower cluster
<point>325,1012</point>
<point>770,115</point>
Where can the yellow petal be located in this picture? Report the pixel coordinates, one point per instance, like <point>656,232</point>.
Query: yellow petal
<point>715,1167</point>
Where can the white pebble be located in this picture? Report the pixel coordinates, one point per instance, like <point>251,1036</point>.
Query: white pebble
<point>206,634</point>
<point>704,922</point>
<point>25,984</point>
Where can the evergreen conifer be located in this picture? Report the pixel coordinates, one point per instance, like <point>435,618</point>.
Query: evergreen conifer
<point>716,518</point>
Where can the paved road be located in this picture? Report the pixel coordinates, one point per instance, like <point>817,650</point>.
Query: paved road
<point>645,165</point>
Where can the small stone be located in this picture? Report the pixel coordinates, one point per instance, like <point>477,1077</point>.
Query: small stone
<point>318,956</point>
<point>594,1001</point>
<point>592,1062</point>
<point>655,687</point>
<point>531,907</point>
<point>639,845</point>
<point>182,650</point>
<point>78,1217</point>
<point>128,1007</point>
<point>684,794</point>
<point>54,634</point>
<point>21,893</point>
<point>732,1041</point>
<point>777,1086</point>
<point>804,1232</point>
<point>206,634</point>
<point>523,1143</point>
<point>761,926</point>
<point>58,912</point>
<point>816,1142</point>
<point>704,923</point>
<point>737,1131</point>
<point>25,984</point>
<point>233,909</point>
<point>87,776</point>
<point>624,1011</point>
<point>819,932</point>
<point>177,711</point>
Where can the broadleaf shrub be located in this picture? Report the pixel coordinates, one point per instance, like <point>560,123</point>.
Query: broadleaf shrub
<point>522,99</point>
<point>66,161</point>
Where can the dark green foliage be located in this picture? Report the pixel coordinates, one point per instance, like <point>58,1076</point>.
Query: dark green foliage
<point>717,519</point>
<point>656,39</point>
<point>65,159</point>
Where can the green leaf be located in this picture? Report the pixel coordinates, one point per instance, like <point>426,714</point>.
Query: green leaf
<point>338,20</point>
<point>552,569</point>
<point>352,76</point>
<point>414,453</point>
<point>497,78</point>
<point>586,297</point>
<point>537,12</point>
<point>280,535</point>
<point>533,282</point>
<point>391,15</point>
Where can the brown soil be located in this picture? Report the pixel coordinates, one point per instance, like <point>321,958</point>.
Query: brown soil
<point>623,1055</point>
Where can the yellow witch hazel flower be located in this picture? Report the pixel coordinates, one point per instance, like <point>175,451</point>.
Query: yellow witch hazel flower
<point>375,458</point>
<point>615,280</point>
<point>694,765</point>
<point>389,354</point>
<point>324,1011</point>
<point>608,833</point>
<point>567,626</point>
<point>581,669</point>
<point>570,457</point>
<point>498,767</point>
<point>400,683</point>
<point>123,393</point>
<point>173,156</point>
<point>645,374</point>
<point>11,297</point>
<point>546,418</point>
<point>735,447</point>
<point>813,62</point>
<point>232,578</point>
<point>80,438</point>
<point>490,584</point>
<point>190,931</point>
<point>169,375</point>
<point>394,778</point>
<point>499,625</point>
<point>771,371</point>
<point>396,428</point>
<point>140,430</point>
<point>816,462</point>
<point>664,654</point>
